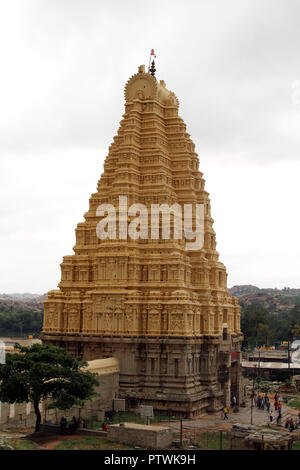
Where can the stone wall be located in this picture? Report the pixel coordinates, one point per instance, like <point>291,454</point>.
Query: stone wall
<point>249,437</point>
<point>17,415</point>
<point>237,435</point>
<point>95,408</point>
<point>21,415</point>
<point>187,377</point>
<point>153,437</point>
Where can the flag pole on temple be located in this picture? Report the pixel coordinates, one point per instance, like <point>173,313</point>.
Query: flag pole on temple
<point>151,67</point>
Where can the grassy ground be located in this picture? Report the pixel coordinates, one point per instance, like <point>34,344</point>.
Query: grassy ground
<point>91,443</point>
<point>21,444</point>
<point>270,427</point>
<point>206,440</point>
<point>211,441</point>
<point>86,443</point>
<point>294,403</point>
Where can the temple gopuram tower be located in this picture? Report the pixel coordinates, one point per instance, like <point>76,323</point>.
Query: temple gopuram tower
<point>164,311</point>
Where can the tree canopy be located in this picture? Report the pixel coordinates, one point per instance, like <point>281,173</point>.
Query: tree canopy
<point>261,327</point>
<point>20,321</point>
<point>45,371</point>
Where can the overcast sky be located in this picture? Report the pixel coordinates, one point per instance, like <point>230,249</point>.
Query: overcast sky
<point>235,68</point>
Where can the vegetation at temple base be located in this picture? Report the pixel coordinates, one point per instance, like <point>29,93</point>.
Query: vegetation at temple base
<point>45,371</point>
<point>260,327</point>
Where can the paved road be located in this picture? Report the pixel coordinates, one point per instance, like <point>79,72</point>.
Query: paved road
<point>215,422</point>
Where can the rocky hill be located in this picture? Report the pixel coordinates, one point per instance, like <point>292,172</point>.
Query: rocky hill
<point>240,291</point>
<point>273,300</point>
<point>31,302</point>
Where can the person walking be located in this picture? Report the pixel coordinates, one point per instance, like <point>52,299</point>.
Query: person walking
<point>271,416</point>
<point>225,411</point>
<point>278,420</point>
<point>279,407</point>
<point>287,423</point>
<point>74,424</point>
<point>104,427</point>
<point>63,425</point>
<point>266,398</point>
<point>292,425</point>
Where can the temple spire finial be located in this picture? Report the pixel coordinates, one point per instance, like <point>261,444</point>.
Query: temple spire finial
<point>151,68</point>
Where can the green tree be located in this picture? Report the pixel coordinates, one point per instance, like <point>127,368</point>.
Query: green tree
<point>295,331</point>
<point>252,318</point>
<point>264,334</point>
<point>262,326</point>
<point>45,371</point>
<point>21,321</point>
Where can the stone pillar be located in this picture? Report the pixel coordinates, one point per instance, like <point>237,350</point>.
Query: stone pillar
<point>12,411</point>
<point>240,380</point>
<point>5,408</point>
<point>227,385</point>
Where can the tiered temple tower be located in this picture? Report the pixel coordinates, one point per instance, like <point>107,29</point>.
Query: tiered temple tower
<point>163,311</point>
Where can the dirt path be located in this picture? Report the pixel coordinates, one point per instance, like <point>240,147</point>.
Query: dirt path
<point>51,442</point>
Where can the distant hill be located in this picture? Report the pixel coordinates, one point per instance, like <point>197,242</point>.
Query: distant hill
<point>25,296</point>
<point>16,301</point>
<point>273,300</point>
<point>239,291</point>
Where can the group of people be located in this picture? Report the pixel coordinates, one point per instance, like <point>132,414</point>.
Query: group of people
<point>68,429</point>
<point>289,424</point>
<point>264,402</point>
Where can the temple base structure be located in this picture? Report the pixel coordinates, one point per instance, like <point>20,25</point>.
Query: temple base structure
<point>184,377</point>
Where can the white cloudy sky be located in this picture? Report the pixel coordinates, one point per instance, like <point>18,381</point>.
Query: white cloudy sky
<point>235,67</point>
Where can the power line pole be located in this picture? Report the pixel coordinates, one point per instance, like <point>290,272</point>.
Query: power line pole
<point>252,395</point>
<point>180,432</point>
